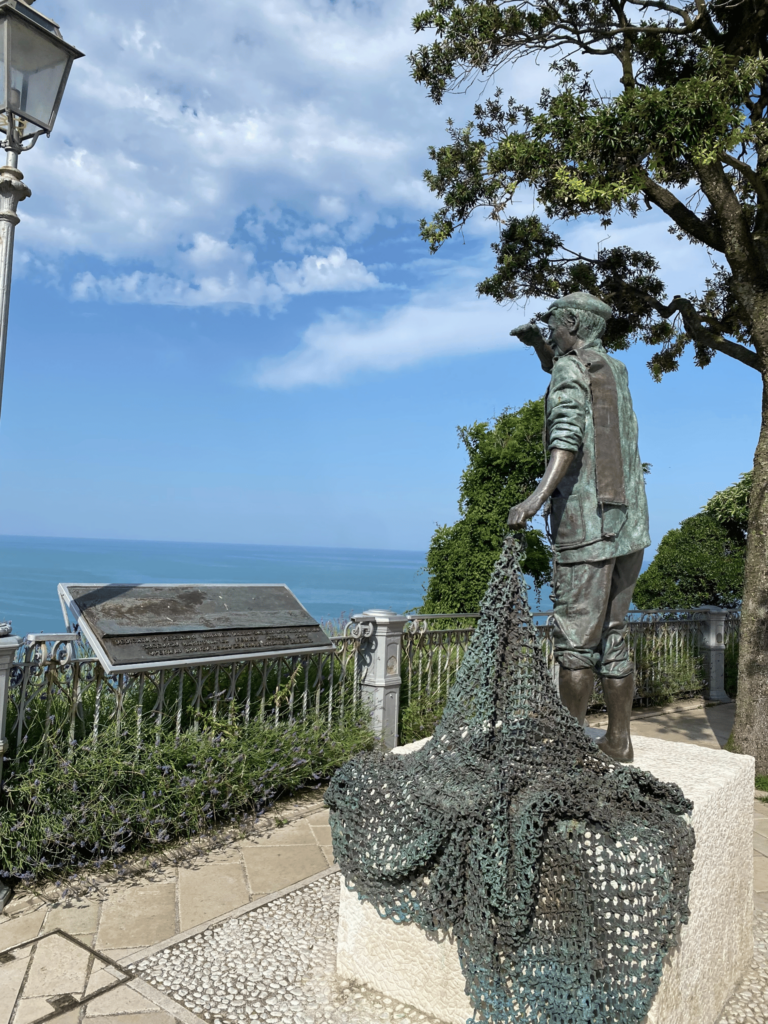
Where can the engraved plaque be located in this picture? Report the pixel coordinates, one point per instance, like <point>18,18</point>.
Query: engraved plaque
<point>156,625</point>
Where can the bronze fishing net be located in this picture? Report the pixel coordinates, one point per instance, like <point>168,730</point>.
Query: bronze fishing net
<point>562,875</point>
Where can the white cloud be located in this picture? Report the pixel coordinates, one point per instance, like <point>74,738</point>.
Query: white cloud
<point>164,290</point>
<point>212,273</point>
<point>241,154</point>
<point>443,322</point>
<point>176,125</point>
<point>335,272</point>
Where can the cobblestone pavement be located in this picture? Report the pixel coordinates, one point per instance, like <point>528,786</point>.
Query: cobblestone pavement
<point>275,965</point>
<point>750,1003</point>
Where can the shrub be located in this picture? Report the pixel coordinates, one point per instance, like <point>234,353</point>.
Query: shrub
<point>89,805</point>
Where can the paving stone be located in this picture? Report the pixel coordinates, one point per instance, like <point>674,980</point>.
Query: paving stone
<point>761,873</point>
<point>78,919</point>
<point>272,868</point>
<point>323,834</point>
<point>155,1017</point>
<point>22,905</point>
<point>140,915</point>
<point>73,1017</point>
<point>328,851</point>
<point>209,890</point>
<point>120,1000</point>
<point>123,953</point>
<point>58,967</point>
<point>30,1010</point>
<point>14,930</point>
<point>760,844</point>
<point>297,833</point>
<point>11,980</point>
<point>761,826</point>
<point>318,818</point>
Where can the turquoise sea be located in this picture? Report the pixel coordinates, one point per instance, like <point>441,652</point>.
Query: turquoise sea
<point>332,583</point>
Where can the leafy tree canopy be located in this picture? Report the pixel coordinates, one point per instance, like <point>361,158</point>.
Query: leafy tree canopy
<point>506,461</point>
<point>701,562</point>
<point>684,133</point>
<point>731,506</point>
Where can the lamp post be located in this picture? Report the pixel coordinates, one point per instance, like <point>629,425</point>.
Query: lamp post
<point>34,66</point>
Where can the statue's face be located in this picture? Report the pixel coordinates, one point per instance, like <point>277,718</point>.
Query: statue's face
<point>563,333</point>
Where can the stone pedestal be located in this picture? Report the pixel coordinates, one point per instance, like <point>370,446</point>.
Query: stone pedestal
<point>715,946</point>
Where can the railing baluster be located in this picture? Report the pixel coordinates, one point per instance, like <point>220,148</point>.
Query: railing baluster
<point>247,710</point>
<point>179,705</point>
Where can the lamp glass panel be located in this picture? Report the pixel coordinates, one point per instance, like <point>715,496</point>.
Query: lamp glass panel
<point>3,28</point>
<point>38,66</point>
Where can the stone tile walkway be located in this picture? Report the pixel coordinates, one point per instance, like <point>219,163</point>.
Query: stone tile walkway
<point>146,919</point>
<point>124,921</point>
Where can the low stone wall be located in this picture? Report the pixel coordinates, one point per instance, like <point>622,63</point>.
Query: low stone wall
<point>715,946</point>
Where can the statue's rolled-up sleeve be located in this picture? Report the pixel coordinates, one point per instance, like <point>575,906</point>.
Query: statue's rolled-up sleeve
<point>567,405</point>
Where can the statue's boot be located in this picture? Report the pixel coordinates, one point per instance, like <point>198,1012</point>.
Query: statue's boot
<point>576,686</point>
<point>618,693</point>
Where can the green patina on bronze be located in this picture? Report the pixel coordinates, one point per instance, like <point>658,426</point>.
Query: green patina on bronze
<point>589,523</point>
<point>562,874</point>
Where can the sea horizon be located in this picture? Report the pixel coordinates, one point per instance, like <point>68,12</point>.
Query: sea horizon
<point>333,583</point>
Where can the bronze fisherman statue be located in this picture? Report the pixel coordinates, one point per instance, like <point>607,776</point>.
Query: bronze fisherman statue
<point>598,510</point>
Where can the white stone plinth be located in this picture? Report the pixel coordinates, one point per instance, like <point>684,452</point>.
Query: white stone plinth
<point>715,946</point>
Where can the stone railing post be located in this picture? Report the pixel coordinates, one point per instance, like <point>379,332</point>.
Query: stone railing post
<point>379,666</point>
<point>8,647</point>
<point>713,651</point>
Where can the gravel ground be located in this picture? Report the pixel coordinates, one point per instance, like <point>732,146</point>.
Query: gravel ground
<point>276,965</point>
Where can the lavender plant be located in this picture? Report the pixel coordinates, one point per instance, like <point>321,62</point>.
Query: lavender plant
<point>90,804</point>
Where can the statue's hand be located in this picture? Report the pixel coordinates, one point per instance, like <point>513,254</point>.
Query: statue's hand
<point>518,514</point>
<point>528,333</point>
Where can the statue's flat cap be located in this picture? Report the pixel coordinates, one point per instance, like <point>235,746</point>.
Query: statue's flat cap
<point>583,300</point>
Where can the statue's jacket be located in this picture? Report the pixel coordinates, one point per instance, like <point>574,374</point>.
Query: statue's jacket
<point>599,510</point>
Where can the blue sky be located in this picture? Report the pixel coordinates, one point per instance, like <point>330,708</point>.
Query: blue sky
<point>224,326</point>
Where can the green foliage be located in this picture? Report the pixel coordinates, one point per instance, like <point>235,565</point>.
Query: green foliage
<point>85,808</point>
<point>731,506</point>
<point>683,130</point>
<point>420,716</point>
<point>668,665</point>
<point>701,562</point>
<point>506,461</point>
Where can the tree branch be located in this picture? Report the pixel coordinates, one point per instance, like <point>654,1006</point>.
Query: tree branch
<point>738,245</point>
<point>678,212</point>
<point>749,173</point>
<point>701,334</point>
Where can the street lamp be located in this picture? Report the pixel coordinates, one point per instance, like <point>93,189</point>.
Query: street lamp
<point>34,67</point>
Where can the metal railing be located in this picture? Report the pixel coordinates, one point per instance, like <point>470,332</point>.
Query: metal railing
<point>59,695</point>
<point>666,648</point>
<point>432,653</point>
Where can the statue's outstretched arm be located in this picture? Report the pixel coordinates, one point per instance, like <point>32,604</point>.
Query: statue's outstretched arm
<point>530,334</point>
<point>559,461</point>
